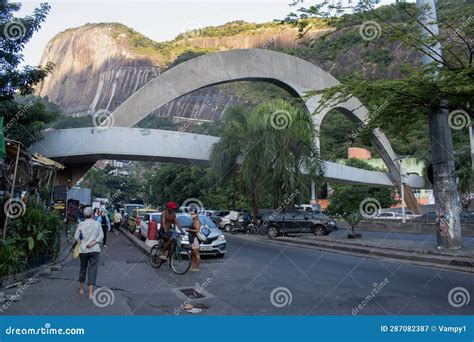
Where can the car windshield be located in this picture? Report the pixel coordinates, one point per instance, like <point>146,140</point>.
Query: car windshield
<point>156,217</point>
<point>130,208</point>
<point>186,221</point>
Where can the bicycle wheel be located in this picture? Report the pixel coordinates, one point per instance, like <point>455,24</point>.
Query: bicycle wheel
<point>180,261</point>
<point>154,256</point>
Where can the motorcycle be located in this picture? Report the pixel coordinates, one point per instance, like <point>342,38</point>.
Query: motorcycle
<point>244,227</point>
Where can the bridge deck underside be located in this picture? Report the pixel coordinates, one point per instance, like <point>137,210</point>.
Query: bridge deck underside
<point>88,145</point>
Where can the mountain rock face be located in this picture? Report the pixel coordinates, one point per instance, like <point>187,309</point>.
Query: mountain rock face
<point>98,66</point>
<point>93,70</point>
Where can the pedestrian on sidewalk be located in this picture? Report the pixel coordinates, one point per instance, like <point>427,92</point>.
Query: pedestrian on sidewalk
<point>194,241</point>
<point>89,234</point>
<point>96,213</point>
<point>104,221</point>
<point>117,220</point>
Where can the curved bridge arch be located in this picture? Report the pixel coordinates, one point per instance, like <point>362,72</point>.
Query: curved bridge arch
<point>295,75</point>
<point>291,73</point>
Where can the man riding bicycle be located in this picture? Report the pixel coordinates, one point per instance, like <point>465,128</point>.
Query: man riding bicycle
<point>168,220</point>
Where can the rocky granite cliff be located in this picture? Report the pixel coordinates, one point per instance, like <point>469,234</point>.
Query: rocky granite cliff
<point>93,70</point>
<point>99,65</point>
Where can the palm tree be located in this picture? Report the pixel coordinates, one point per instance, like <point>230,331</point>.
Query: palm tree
<point>225,154</point>
<point>288,135</point>
<point>271,147</point>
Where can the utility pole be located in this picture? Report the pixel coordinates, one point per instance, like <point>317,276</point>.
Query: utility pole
<point>444,180</point>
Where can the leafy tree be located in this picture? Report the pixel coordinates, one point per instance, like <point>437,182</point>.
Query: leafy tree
<point>353,202</point>
<point>26,117</point>
<point>14,34</point>
<point>177,183</point>
<point>117,188</point>
<point>425,93</point>
<point>64,121</point>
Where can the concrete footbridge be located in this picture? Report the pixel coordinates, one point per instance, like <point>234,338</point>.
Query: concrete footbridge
<point>80,147</point>
<point>290,73</point>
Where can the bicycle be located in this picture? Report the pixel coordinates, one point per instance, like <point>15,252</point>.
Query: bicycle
<point>179,258</point>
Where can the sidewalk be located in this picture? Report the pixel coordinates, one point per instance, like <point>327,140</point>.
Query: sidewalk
<point>399,241</point>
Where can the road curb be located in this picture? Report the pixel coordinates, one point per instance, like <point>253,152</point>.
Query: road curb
<point>447,262</point>
<point>142,246</point>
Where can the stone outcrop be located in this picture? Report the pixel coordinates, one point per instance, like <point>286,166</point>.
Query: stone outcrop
<point>93,70</point>
<point>98,66</point>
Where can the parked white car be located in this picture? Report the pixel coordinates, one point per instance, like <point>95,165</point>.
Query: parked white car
<point>396,214</point>
<point>389,216</point>
<point>215,243</point>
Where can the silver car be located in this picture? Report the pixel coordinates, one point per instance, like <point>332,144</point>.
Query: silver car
<point>224,224</point>
<point>215,243</point>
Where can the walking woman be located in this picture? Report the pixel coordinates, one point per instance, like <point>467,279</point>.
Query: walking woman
<point>89,234</point>
<point>96,213</point>
<point>194,241</point>
<point>104,221</point>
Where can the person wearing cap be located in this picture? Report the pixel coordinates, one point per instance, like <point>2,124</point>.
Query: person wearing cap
<point>168,220</point>
<point>90,235</point>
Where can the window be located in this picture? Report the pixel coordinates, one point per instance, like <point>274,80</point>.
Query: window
<point>302,216</point>
<point>386,215</point>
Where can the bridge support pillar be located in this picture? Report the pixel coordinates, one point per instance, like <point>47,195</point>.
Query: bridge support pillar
<point>71,174</point>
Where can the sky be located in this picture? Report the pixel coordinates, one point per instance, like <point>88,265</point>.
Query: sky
<point>159,20</point>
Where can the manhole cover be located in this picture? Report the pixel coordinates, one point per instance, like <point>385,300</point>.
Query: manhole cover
<point>192,293</point>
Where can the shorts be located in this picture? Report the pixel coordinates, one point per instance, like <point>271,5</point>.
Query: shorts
<point>165,234</point>
<point>195,244</point>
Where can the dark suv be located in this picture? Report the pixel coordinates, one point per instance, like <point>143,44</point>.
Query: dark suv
<point>296,221</point>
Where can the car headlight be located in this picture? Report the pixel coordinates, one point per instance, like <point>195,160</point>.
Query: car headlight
<point>221,238</point>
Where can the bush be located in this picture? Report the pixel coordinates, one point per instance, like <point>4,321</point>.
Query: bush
<point>29,237</point>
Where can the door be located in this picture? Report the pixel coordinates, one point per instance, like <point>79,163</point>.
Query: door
<point>302,222</point>
<point>288,222</point>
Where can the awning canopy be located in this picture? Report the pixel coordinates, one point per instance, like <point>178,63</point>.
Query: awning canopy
<point>46,161</point>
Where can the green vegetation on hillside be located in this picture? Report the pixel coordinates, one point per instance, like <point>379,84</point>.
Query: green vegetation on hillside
<point>239,27</point>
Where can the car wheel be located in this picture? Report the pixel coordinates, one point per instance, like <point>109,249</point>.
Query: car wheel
<point>272,232</point>
<point>319,231</point>
<point>227,228</point>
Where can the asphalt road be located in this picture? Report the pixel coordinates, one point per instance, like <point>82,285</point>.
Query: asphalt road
<point>303,281</point>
